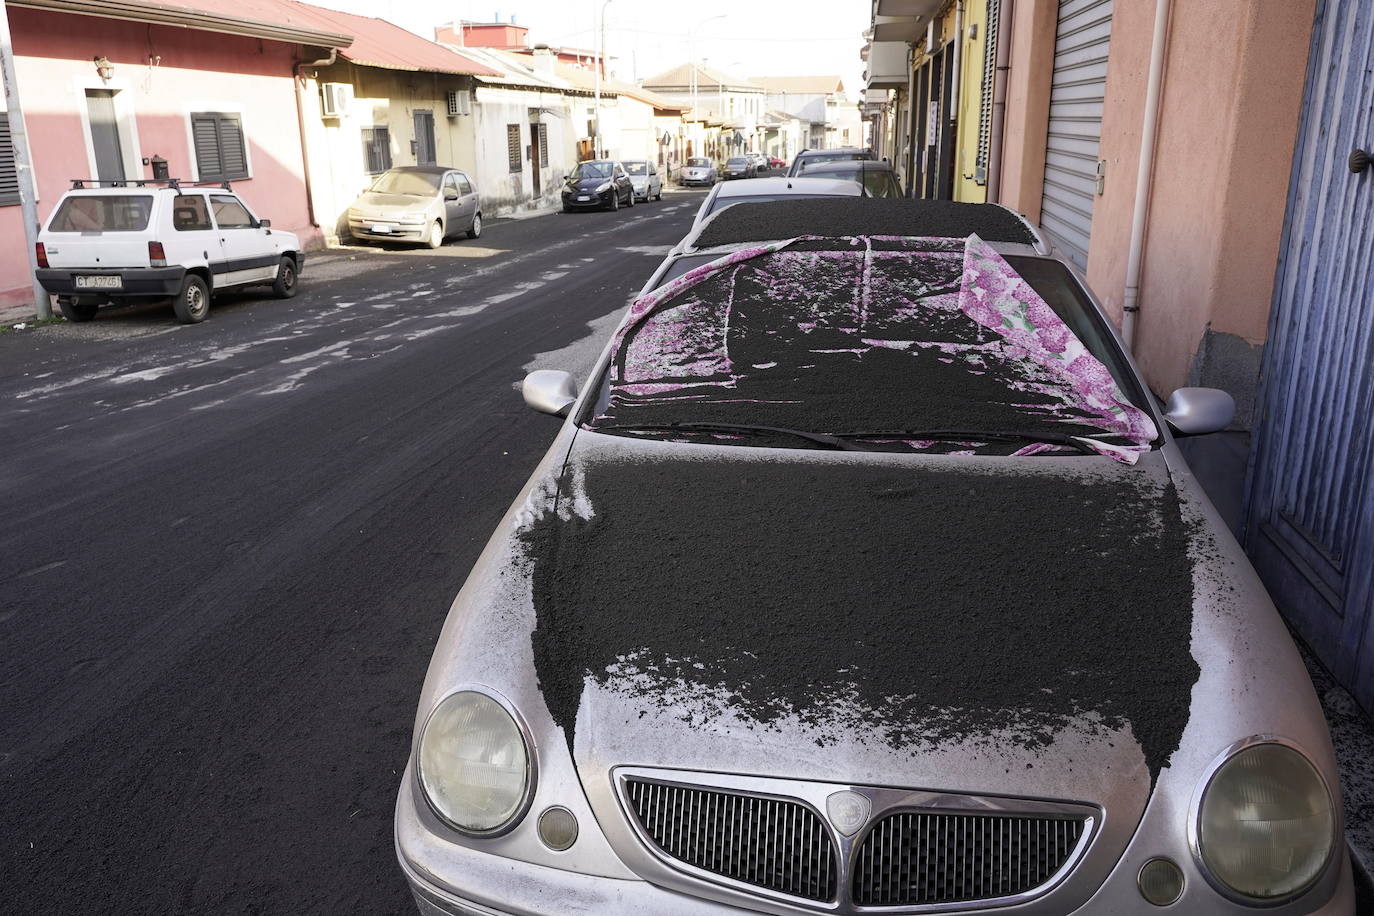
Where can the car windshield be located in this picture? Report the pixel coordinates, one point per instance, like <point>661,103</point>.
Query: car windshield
<point>637,168</point>
<point>738,160</point>
<point>876,182</point>
<point>415,184</point>
<point>103,213</point>
<point>699,162</point>
<point>812,158</point>
<point>883,344</point>
<point>592,170</point>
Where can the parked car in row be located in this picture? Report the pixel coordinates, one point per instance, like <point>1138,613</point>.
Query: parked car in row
<point>878,179</point>
<point>596,184</point>
<point>807,156</point>
<point>699,172</point>
<point>417,203</point>
<point>740,167</point>
<point>865,575</point>
<point>129,242</point>
<point>645,178</point>
<point>729,193</point>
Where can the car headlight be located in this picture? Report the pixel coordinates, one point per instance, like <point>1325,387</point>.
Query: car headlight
<point>1265,824</point>
<point>604,186</point>
<point>414,216</point>
<point>474,765</point>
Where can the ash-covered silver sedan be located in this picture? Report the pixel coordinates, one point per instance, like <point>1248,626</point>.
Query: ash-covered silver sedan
<point>865,576</point>
<point>417,203</point>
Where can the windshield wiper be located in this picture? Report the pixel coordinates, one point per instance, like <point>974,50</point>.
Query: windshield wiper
<point>823,438</point>
<point>977,435</point>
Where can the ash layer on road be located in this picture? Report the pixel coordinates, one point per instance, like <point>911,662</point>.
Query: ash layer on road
<point>947,605</point>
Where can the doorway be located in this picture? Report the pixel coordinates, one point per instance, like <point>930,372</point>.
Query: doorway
<point>109,154</point>
<point>537,151</point>
<point>424,138</point>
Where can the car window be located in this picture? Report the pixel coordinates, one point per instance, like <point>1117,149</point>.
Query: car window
<point>738,160</point>
<point>450,184</point>
<point>592,170</point>
<point>190,214</point>
<point>698,162</point>
<point>777,343</point>
<point>637,168</point>
<point>230,213</point>
<point>103,213</point>
<point>721,203</point>
<point>881,183</point>
<point>464,186</point>
<point>414,184</point>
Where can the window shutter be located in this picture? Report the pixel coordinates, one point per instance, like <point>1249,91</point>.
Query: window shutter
<point>513,151</point>
<point>544,144</point>
<point>205,133</point>
<point>233,157</point>
<point>220,151</point>
<point>985,106</point>
<point>9,171</point>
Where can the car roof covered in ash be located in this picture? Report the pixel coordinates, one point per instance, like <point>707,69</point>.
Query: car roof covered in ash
<point>862,216</point>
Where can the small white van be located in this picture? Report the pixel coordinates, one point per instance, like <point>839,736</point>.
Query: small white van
<point>139,241</point>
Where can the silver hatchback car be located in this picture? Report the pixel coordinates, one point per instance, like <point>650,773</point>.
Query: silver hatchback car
<point>417,203</point>
<point>866,577</point>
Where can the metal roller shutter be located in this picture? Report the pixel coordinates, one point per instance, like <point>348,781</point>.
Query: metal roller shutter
<point>9,172</point>
<point>1075,129</point>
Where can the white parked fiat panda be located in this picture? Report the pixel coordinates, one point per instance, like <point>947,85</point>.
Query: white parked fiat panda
<point>138,241</point>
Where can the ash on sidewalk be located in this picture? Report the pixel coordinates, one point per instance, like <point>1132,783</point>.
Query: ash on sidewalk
<point>1219,462</point>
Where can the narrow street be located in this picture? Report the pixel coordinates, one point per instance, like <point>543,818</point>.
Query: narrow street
<point>228,549</point>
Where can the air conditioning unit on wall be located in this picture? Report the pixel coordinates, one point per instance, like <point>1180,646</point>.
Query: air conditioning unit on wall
<point>336,97</point>
<point>459,103</point>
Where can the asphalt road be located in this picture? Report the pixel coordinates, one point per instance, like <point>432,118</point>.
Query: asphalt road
<point>227,549</point>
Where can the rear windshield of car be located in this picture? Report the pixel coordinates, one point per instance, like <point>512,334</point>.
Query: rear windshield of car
<point>415,184</point>
<point>934,345</point>
<point>877,182</point>
<point>593,170</point>
<point>722,203</point>
<point>103,213</point>
<point>811,159</point>
<point>697,162</point>
<point>637,168</point>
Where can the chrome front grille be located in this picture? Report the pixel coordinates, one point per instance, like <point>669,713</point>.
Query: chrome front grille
<point>771,843</point>
<point>915,858</point>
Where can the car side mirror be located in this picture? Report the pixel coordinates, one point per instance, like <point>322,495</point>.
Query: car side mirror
<point>265,223</point>
<point>1195,411</point>
<point>550,391</point>
<point>450,195</point>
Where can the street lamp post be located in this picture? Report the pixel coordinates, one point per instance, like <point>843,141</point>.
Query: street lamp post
<point>692,54</point>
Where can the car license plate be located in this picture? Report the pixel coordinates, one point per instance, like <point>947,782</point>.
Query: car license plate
<point>584,197</point>
<point>380,227</point>
<point>99,282</point>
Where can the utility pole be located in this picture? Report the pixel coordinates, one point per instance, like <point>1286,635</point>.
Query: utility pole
<point>598,147</point>
<point>23,162</point>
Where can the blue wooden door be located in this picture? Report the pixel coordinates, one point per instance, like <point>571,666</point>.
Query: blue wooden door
<point>1311,520</point>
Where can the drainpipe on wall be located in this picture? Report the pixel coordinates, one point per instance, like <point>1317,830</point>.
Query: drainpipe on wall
<point>952,123</point>
<point>23,164</point>
<point>911,119</point>
<point>1144,179</point>
<point>299,80</point>
<point>1005,14</point>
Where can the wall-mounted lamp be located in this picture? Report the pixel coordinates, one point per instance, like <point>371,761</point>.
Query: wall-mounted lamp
<point>104,68</point>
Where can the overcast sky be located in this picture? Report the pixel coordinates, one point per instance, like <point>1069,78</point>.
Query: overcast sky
<point>644,37</point>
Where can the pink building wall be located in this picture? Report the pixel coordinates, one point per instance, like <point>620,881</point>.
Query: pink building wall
<point>194,71</point>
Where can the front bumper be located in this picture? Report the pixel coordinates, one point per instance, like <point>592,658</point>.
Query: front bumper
<point>597,200</point>
<point>396,232</point>
<point>135,282</point>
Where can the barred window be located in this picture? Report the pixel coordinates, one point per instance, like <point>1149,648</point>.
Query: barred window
<point>513,151</point>
<point>376,149</point>
<point>220,153</point>
<point>9,171</point>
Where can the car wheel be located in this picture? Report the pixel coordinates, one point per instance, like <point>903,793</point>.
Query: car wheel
<point>475,230</point>
<point>436,235</point>
<point>76,311</point>
<point>659,195</point>
<point>192,304</point>
<point>615,201</point>
<point>630,198</point>
<point>284,287</point>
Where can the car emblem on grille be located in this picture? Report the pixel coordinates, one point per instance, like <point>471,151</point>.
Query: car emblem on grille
<point>848,811</point>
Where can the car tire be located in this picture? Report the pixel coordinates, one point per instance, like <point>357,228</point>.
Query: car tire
<point>659,195</point>
<point>435,239</point>
<point>630,198</point>
<point>615,201</point>
<point>192,304</point>
<point>76,311</point>
<point>285,285</point>
<point>475,230</point>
